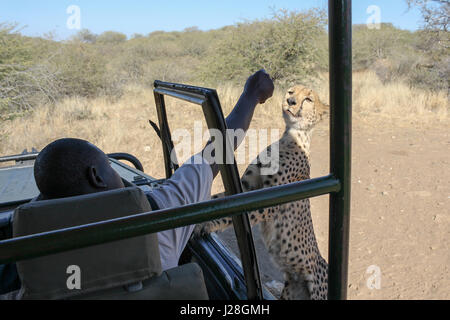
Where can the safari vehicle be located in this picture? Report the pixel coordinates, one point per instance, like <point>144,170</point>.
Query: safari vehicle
<point>207,268</point>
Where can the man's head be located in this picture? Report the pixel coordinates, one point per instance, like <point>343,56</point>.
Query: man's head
<point>73,167</point>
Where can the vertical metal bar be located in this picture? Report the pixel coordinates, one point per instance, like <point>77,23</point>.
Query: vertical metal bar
<point>232,184</point>
<point>340,33</point>
<point>166,138</point>
<point>230,174</point>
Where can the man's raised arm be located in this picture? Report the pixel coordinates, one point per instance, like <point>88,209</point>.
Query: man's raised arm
<point>258,88</point>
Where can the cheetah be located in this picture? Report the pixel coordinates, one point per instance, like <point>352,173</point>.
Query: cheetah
<point>287,229</point>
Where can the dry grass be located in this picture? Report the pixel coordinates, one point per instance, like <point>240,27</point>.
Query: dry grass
<point>397,99</point>
<point>122,126</point>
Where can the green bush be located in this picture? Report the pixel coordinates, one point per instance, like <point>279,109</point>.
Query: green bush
<point>373,45</point>
<point>287,46</point>
<point>80,70</point>
<point>396,54</point>
<point>15,50</point>
<point>111,37</point>
<point>24,81</point>
<point>85,36</point>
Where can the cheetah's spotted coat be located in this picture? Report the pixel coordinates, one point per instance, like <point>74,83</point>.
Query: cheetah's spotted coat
<point>288,229</point>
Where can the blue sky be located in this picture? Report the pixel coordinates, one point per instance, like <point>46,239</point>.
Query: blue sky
<point>139,16</point>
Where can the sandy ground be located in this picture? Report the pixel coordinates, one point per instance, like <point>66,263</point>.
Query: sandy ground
<point>400,219</point>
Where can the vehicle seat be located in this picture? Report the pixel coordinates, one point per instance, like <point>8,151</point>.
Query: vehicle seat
<point>125,269</point>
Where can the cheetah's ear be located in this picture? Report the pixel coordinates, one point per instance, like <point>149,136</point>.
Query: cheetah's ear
<point>323,109</point>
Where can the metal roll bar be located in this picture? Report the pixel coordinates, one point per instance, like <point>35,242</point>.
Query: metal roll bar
<point>340,35</point>
<point>42,244</point>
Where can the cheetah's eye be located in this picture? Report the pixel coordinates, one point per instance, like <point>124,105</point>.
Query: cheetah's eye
<point>291,92</point>
<point>309,99</point>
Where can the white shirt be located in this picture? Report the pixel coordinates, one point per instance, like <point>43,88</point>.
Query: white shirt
<point>191,183</point>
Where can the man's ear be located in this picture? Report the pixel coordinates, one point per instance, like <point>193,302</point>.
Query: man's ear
<point>95,179</point>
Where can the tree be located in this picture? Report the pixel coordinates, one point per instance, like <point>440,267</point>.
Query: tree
<point>287,46</point>
<point>373,45</point>
<point>436,15</point>
<point>111,37</point>
<point>137,36</point>
<point>86,36</point>
<point>434,42</point>
<point>15,52</point>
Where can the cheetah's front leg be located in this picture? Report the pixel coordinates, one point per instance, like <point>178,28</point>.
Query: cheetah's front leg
<point>208,227</point>
<point>299,288</point>
<point>222,224</point>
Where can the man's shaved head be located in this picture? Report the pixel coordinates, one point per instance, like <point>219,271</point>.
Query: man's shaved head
<point>72,167</point>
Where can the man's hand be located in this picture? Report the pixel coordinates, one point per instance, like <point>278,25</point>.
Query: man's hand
<point>260,86</point>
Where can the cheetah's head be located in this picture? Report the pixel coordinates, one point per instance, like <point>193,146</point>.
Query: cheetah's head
<point>302,108</point>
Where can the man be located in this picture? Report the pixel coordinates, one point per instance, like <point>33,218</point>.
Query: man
<point>72,167</point>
